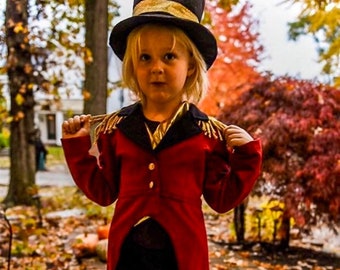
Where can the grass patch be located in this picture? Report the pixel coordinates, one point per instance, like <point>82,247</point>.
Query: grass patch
<point>55,156</point>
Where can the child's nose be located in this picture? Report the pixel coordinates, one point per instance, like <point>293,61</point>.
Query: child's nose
<point>157,67</point>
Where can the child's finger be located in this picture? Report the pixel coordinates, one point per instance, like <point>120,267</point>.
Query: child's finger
<point>85,121</point>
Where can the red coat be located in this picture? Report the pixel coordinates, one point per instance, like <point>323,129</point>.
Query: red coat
<point>166,183</point>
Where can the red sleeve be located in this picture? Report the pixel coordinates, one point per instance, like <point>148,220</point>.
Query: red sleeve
<point>98,183</point>
<point>230,177</point>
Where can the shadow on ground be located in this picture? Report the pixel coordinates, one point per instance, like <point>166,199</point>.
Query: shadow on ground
<point>269,256</point>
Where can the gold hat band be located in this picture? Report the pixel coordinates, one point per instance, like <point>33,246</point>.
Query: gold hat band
<point>170,7</point>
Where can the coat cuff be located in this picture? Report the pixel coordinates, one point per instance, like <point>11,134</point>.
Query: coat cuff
<point>249,147</point>
<point>76,146</point>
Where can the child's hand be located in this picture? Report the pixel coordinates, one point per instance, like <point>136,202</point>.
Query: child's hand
<point>76,126</point>
<point>236,136</point>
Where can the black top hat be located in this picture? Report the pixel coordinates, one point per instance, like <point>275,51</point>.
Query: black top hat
<point>185,14</point>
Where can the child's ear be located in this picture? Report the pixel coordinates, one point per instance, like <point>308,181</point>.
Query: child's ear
<point>191,68</point>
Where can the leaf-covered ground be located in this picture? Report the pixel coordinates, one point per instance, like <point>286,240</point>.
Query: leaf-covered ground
<point>48,242</point>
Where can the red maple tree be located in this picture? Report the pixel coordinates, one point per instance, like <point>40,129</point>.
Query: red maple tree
<point>239,50</point>
<point>298,123</point>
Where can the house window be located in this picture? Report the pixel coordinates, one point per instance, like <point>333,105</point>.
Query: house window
<point>51,127</point>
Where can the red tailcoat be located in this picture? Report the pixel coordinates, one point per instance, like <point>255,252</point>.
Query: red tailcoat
<point>165,183</point>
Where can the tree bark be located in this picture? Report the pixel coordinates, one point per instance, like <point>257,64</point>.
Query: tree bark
<point>19,71</point>
<point>239,222</point>
<point>285,231</point>
<point>96,72</point>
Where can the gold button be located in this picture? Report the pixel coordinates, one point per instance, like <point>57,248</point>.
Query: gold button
<point>151,184</point>
<point>152,166</point>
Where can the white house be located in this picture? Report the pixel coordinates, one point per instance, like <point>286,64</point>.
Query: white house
<point>50,115</point>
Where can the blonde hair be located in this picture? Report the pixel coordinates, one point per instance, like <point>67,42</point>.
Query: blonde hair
<point>195,85</point>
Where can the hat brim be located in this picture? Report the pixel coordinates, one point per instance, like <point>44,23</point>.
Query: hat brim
<point>201,36</point>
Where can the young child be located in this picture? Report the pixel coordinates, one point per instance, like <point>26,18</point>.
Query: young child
<point>157,157</point>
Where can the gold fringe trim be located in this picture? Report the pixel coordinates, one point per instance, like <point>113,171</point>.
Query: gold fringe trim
<point>107,122</point>
<point>97,118</point>
<point>213,128</point>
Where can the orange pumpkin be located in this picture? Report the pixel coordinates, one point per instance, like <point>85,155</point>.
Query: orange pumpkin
<point>85,244</point>
<point>103,231</point>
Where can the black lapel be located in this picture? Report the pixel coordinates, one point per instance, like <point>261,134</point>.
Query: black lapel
<point>134,128</point>
<point>133,125</point>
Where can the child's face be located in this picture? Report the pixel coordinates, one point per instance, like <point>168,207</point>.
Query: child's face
<point>162,66</point>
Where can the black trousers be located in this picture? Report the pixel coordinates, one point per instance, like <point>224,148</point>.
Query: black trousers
<point>147,247</point>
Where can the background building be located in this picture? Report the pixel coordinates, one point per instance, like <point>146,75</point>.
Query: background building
<point>50,113</point>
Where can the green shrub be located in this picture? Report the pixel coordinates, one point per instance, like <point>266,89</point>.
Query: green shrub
<point>4,138</point>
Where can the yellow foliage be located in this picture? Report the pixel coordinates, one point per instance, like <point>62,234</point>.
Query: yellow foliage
<point>9,119</point>
<point>19,28</point>
<point>260,221</point>
<point>320,18</point>
<point>337,81</point>
<point>19,99</point>
<point>5,132</point>
<point>75,2</point>
<point>88,58</point>
<point>86,95</point>
<point>30,86</point>
<point>20,115</point>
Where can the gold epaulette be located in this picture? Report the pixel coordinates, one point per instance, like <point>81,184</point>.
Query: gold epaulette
<point>107,122</point>
<point>213,128</point>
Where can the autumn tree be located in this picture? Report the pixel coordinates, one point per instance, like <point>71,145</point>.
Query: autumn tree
<point>320,19</point>
<point>298,123</point>
<point>234,70</point>
<point>45,45</point>
<point>27,66</point>
<point>19,70</point>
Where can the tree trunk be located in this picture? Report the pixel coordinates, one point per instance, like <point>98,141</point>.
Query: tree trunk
<point>19,71</point>
<point>284,231</point>
<point>95,87</point>
<point>239,222</point>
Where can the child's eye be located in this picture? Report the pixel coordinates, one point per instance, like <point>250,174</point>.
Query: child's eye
<point>169,56</point>
<point>144,57</point>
